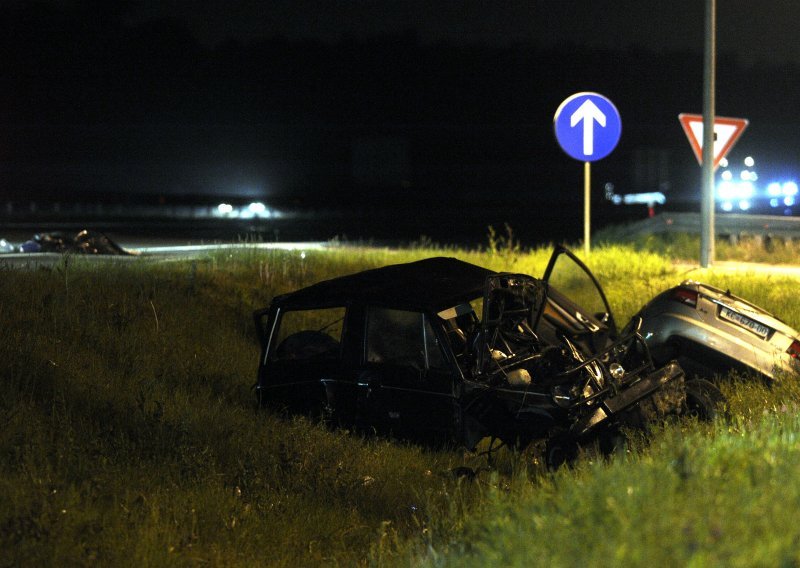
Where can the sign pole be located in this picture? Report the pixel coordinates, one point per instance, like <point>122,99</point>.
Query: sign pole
<point>587,213</point>
<point>707,232</point>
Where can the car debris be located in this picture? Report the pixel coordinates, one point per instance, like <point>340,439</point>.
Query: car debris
<point>84,242</point>
<point>440,350</point>
<point>712,332</point>
<point>578,307</point>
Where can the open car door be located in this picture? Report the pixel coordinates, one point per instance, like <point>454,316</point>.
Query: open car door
<point>576,305</point>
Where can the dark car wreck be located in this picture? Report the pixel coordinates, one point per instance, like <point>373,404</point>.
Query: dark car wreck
<point>442,350</point>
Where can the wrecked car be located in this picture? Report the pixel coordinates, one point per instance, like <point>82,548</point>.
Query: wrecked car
<point>84,242</point>
<point>440,350</point>
<point>577,308</point>
<point>712,331</point>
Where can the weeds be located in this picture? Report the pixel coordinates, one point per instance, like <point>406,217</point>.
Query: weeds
<point>128,436</point>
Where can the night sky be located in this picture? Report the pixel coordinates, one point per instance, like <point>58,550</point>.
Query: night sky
<point>324,101</point>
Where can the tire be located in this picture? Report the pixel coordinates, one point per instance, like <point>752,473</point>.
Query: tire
<point>612,442</point>
<point>704,400</point>
<point>561,449</point>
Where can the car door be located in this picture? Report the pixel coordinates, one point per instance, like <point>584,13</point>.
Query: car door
<point>576,305</point>
<point>303,364</point>
<point>406,385</point>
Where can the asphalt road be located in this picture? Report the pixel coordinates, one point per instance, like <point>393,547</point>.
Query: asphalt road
<point>150,251</point>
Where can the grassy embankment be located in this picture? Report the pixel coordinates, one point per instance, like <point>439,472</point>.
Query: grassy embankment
<point>129,437</point>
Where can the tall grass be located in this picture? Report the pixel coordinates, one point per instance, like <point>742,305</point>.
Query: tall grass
<point>129,436</point>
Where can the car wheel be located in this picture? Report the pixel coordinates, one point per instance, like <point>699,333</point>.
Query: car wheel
<point>612,442</point>
<point>704,400</point>
<point>561,449</point>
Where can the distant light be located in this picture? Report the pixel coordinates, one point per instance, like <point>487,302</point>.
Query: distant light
<point>727,175</point>
<point>790,188</point>
<point>724,162</point>
<point>257,207</point>
<point>774,202</point>
<point>749,161</point>
<point>303,255</point>
<point>788,200</point>
<point>725,190</point>
<point>744,205</point>
<point>745,175</point>
<point>774,189</point>
<point>728,190</point>
<point>646,198</point>
<point>225,208</point>
<point>727,206</point>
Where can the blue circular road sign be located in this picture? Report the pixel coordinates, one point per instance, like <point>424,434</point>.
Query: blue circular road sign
<point>587,126</point>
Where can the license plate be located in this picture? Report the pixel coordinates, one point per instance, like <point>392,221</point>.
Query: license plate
<point>759,329</point>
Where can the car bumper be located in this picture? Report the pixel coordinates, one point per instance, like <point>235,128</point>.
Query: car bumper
<point>641,390</point>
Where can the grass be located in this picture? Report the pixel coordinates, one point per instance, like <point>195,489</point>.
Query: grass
<point>128,436</point>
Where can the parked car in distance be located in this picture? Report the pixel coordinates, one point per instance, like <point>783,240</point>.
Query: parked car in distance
<point>711,332</point>
<point>440,350</point>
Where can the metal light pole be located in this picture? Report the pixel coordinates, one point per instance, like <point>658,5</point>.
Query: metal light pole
<point>709,86</point>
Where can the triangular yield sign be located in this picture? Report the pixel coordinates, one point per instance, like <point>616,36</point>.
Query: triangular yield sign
<point>726,133</point>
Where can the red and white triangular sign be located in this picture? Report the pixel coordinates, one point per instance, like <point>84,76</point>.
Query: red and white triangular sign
<point>726,133</point>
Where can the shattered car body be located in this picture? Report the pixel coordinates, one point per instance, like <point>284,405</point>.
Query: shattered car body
<point>577,308</point>
<point>711,332</point>
<point>440,350</point>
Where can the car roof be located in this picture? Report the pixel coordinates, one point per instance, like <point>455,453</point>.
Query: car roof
<point>431,285</point>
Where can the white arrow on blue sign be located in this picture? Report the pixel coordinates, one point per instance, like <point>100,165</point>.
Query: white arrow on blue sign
<point>588,126</point>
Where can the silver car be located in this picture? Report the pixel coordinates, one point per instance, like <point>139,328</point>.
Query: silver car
<point>711,331</point>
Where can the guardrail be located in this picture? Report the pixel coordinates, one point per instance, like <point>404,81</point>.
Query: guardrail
<point>732,226</point>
